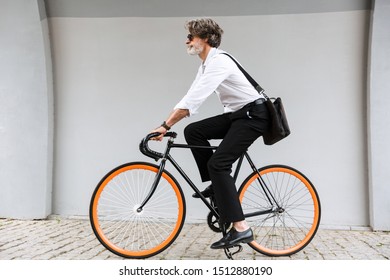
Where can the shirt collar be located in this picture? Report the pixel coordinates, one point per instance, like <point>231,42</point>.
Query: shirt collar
<point>210,55</point>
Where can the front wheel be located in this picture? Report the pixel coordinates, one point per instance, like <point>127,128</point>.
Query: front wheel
<point>117,220</point>
<point>282,208</point>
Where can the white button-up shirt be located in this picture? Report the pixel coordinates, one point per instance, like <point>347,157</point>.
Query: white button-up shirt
<point>219,74</point>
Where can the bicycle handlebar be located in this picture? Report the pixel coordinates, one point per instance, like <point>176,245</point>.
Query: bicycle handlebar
<point>144,148</point>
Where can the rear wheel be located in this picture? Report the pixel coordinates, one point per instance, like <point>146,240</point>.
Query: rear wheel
<point>121,227</point>
<point>287,226</point>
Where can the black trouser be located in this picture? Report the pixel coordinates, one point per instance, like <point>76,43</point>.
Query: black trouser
<point>238,131</point>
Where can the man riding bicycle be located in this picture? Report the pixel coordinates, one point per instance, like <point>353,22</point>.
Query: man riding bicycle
<point>245,118</point>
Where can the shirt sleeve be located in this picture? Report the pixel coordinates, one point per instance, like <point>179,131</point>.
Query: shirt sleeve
<point>206,82</point>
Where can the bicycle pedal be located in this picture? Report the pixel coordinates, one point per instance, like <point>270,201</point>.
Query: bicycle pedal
<point>231,254</point>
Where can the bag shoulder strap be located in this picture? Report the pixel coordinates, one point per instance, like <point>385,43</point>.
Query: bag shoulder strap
<point>250,79</point>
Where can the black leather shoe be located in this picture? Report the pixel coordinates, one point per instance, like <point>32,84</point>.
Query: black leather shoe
<point>207,192</point>
<point>232,238</point>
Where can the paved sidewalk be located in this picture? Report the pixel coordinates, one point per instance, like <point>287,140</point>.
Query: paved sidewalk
<point>72,239</point>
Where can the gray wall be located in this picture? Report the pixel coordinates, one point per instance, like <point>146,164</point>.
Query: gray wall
<point>117,77</point>
<point>186,8</point>
<point>120,66</point>
<point>379,121</point>
<point>26,113</point>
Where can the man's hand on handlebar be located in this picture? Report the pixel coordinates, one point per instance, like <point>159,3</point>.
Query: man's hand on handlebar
<point>162,132</point>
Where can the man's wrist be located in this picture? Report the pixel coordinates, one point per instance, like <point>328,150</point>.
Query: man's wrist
<point>164,125</point>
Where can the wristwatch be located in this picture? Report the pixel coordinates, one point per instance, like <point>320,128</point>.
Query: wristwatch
<point>164,125</point>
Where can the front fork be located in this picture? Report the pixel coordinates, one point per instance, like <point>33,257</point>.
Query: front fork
<point>154,185</point>
<point>157,177</point>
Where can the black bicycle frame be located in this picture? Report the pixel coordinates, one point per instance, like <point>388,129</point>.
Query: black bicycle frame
<point>166,156</point>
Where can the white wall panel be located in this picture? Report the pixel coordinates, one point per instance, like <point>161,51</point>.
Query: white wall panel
<point>117,78</point>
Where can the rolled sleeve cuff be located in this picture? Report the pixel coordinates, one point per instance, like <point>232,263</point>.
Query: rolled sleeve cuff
<point>192,110</point>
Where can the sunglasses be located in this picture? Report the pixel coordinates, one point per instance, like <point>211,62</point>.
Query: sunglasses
<point>190,37</point>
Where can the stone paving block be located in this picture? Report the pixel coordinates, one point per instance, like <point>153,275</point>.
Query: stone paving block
<point>73,239</point>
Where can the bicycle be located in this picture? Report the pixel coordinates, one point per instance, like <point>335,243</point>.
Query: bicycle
<point>138,209</point>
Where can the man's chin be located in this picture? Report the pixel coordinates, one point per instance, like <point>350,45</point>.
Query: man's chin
<point>193,51</point>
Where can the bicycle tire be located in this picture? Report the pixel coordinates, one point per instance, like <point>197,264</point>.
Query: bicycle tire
<point>289,230</point>
<point>114,217</point>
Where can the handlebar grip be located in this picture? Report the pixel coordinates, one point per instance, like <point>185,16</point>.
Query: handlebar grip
<point>171,134</point>
<point>144,148</point>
